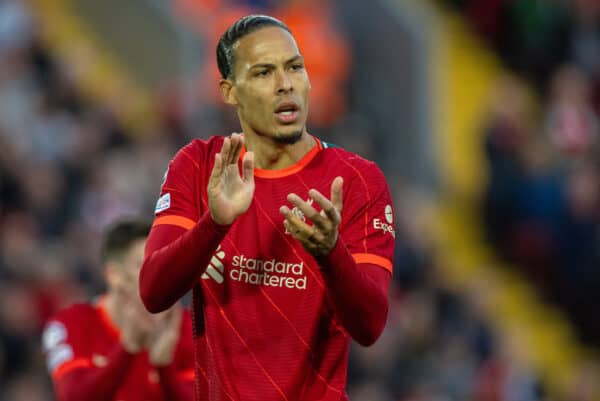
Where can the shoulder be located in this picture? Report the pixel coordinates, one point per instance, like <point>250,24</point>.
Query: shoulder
<point>74,313</point>
<point>195,152</point>
<point>202,146</point>
<point>66,323</point>
<point>352,165</point>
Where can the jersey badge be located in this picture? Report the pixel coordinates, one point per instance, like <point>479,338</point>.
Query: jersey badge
<point>163,203</point>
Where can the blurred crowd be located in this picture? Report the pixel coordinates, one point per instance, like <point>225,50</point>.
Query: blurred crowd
<point>68,168</point>
<point>542,205</point>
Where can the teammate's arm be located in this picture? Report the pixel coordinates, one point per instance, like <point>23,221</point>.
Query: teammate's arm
<point>76,376</point>
<point>177,385</point>
<point>175,258</point>
<point>171,351</point>
<point>90,383</point>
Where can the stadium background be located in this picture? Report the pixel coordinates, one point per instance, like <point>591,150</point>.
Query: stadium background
<point>482,114</point>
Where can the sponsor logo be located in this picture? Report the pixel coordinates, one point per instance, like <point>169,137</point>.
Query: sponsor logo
<point>215,269</point>
<point>268,273</point>
<point>387,225</point>
<point>163,203</point>
<point>389,214</point>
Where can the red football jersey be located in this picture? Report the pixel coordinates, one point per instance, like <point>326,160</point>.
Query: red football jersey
<point>271,332</point>
<point>81,340</point>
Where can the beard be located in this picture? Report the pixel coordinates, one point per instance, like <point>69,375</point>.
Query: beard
<point>288,139</point>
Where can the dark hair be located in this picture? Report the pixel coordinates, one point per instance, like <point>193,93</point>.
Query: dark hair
<point>121,235</point>
<point>241,28</point>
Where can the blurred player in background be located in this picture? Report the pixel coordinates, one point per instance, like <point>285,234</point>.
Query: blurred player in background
<point>113,349</point>
<point>286,241</point>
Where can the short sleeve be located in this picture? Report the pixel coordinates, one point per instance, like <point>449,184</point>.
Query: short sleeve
<point>177,204</point>
<point>63,346</point>
<point>368,218</point>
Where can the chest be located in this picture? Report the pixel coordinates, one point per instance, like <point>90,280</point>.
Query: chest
<point>259,259</point>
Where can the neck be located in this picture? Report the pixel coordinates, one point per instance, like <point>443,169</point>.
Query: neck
<point>272,155</point>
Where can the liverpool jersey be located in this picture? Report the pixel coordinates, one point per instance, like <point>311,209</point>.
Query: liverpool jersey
<point>87,362</point>
<point>268,328</point>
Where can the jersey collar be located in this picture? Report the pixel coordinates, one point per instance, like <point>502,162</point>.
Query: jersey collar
<point>294,168</point>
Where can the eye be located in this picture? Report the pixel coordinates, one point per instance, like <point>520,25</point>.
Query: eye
<point>262,73</point>
<point>297,67</point>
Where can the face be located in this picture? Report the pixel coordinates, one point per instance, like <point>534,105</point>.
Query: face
<point>269,86</point>
<point>123,276</point>
<point>124,273</point>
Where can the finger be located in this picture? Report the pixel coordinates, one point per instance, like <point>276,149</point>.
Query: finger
<point>336,193</point>
<point>310,241</point>
<point>309,211</point>
<point>236,148</point>
<point>248,167</point>
<point>299,229</point>
<point>225,150</point>
<point>215,176</point>
<point>330,211</point>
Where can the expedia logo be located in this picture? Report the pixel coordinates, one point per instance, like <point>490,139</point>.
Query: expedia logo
<point>386,226</point>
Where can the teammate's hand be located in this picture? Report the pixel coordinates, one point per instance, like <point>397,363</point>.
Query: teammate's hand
<point>229,193</point>
<point>163,341</point>
<point>135,327</point>
<point>320,237</point>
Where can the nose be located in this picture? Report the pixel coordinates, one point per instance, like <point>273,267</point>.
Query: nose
<point>284,83</point>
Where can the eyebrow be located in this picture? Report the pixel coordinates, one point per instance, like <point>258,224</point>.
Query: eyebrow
<point>271,65</point>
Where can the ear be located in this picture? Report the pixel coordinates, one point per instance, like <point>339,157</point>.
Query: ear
<point>228,92</point>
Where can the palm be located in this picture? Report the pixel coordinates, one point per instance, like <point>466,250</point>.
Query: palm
<point>232,195</point>
<point>229,192</point>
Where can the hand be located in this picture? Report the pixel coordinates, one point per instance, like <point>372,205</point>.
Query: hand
<point>136,324</point>
<point>162,343</point>
<point>229,194</point>
<point>319,238</point>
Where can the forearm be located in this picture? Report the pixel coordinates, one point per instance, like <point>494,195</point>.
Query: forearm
<point>176,385</point>
<point>95,383</point>
<point>175,260</point>
<point>359,293</point>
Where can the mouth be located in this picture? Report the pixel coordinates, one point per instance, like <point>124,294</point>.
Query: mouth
<point>287,112</point>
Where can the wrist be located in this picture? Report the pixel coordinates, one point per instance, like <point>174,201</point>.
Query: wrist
<point>218,224</point>
<point>338,255</point>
